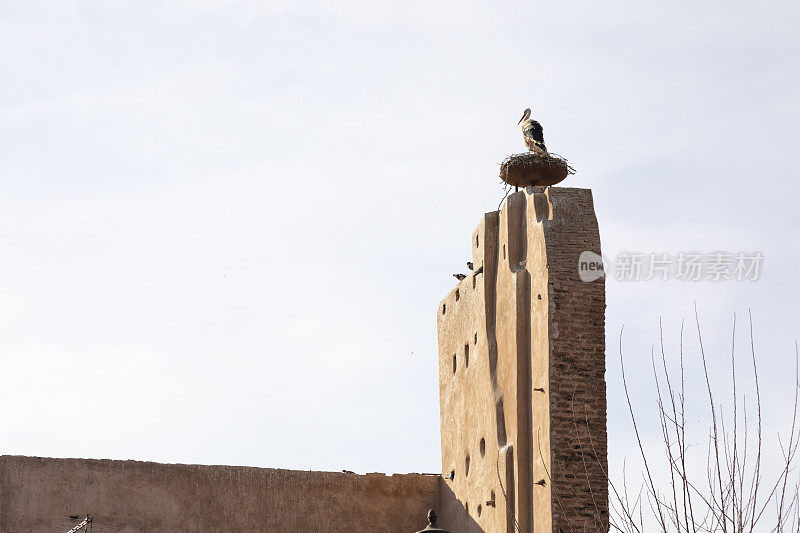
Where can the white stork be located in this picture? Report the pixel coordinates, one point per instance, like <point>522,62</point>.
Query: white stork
<point>532,133</point>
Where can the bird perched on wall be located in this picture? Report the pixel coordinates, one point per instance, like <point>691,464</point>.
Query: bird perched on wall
<point>469,265</point>
<point>459,277</point>
<point>532,133</point>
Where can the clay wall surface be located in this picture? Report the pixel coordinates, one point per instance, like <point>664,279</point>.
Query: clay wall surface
<point>39,495</point>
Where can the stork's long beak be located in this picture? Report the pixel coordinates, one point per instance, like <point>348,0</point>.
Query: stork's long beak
<point>520,120</point>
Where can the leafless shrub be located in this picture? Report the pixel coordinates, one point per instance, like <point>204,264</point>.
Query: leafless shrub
<point>733,493</point>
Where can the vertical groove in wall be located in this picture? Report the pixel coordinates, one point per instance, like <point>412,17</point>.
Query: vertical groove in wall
<point>491,247</point>
<point>517,238</point>
<point>509,482</point>
<point>525,467</point>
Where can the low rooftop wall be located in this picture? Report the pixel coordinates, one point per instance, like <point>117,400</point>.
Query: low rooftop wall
<point>40,495</point>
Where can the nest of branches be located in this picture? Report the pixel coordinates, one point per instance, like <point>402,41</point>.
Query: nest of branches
<point>524,170</point>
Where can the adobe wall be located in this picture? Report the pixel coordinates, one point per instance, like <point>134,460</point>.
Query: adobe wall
<point>522,373</point>
<point>39,495</point>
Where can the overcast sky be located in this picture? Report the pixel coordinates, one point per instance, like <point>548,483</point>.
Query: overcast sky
<point>225,226</point>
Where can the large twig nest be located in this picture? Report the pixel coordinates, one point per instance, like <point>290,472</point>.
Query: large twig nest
<point>524,170</point>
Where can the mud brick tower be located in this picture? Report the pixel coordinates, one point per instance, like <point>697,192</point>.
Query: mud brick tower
<point>522,373</point>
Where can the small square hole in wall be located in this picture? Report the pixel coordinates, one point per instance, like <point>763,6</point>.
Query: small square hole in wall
<point>454,364</point>
<point>476,339</point>
<point>444,308</point>
<point>504,251</point>
<point>466,355</point>
<point>458,295</point>
<point>477,241</point>
<point>473,281</point>
<point>482,446</point>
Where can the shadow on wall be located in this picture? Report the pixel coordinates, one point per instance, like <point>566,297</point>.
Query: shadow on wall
<point>454,517</point>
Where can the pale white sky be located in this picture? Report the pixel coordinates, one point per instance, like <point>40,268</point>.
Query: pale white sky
<point>225,226</point>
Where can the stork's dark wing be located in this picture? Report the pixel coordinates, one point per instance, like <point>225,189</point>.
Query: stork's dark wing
<point>535,131</point>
